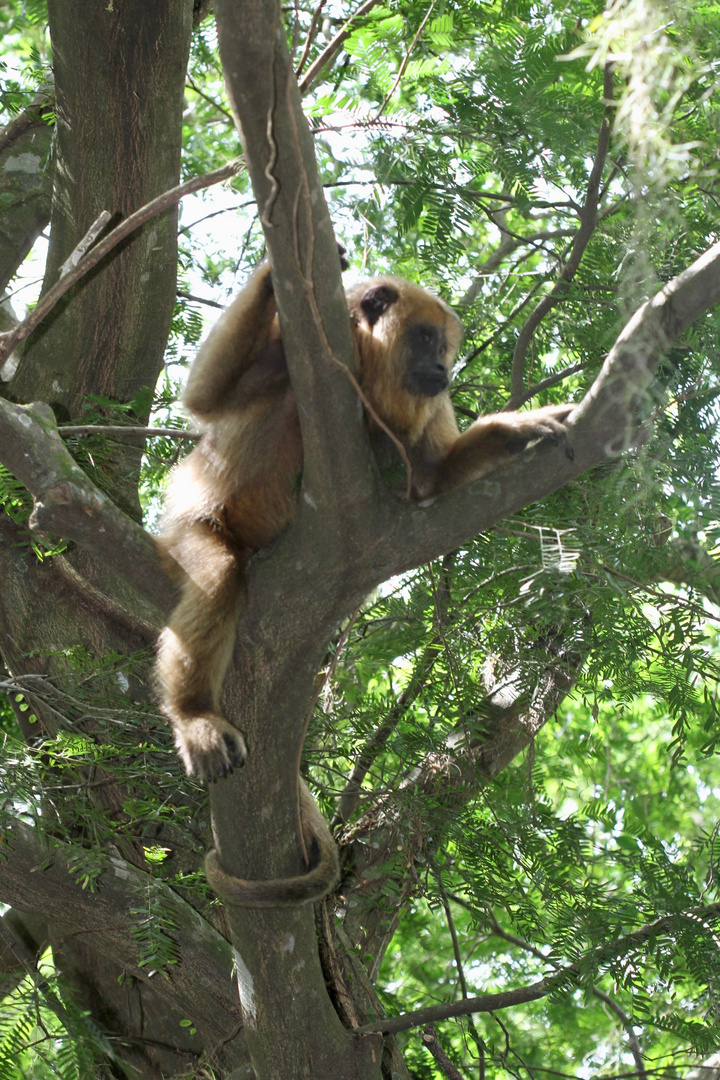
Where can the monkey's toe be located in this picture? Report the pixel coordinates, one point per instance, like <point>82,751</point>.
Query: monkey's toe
<point>210,747</point>
<point>236,749</point>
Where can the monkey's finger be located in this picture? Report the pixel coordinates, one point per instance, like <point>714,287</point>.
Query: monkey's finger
<point>557,433</point>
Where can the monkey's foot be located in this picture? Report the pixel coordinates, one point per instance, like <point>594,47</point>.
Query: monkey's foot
<point>209,746</point>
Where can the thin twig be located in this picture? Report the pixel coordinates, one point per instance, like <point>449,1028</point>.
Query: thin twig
<point>406,60</point>
<point>310,37</point>
<point>333,47</point>
<point>125,429</point>
<point>544,384</point>
<point>610,1002</point>
<point>199,299</point>
<point>454,938</point>
<point>588,221</point>
<point>169,198</point>
<point>377,740</point>
<point>211,101</point>
<point>430,1042</point>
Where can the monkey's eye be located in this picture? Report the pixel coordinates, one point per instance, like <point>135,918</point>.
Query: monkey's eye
<point>425,337</point>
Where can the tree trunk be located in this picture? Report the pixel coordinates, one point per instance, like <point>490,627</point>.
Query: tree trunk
<point>119,79</point>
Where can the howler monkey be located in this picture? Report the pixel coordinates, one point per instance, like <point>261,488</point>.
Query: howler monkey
<point>238,489</point>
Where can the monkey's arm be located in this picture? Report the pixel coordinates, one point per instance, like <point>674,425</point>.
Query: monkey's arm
<point>493,440</point>
<point>285,892</point>
<point>237,340</point>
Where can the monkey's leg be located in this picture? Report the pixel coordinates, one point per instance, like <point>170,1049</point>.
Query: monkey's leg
<point>195,649</point>
<point>493,440</point>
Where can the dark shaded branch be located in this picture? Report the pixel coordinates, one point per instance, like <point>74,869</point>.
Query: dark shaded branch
<point>201,299</point>
<point>36,878</point>
<point>622,1016</point>
<point>492,1002</point>
<point>633,1044</point>
<point>310,37</point>
<point>467,1007</point>
<point>588,218</point>
<point>406,59</point>
<point>509,242</point>
<point>68,504</point>
<point>431,1043</point>
<point>545,384</point>
<point>13,337</point>
<point>374,744</point>
<point>42,102</point>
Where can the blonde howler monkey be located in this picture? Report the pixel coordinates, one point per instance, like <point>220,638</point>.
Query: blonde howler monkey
<point>238,490</point>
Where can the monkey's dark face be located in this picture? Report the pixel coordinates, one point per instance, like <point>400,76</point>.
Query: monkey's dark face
<point>426,374</point>
<point>407,338</point>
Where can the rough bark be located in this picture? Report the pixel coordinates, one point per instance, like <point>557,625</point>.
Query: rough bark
<point>119,72</point>
<point>85,926</point>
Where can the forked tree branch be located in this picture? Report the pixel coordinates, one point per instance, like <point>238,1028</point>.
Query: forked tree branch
<point>330,50</point>
<point>68,504</point>
<point>13,337</point>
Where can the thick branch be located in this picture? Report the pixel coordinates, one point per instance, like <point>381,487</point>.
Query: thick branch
<point>337,474</point>
<point>37,879</point>
<point>601,427</point>
<point>588,218</point>
<point>67,504</point>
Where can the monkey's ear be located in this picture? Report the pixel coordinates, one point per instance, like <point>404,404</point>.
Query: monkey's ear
<point>376,301</point>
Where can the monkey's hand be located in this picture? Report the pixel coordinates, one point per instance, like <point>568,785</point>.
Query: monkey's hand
<point>525,427</point>
<point>492,440</point>
<point>209,746</point>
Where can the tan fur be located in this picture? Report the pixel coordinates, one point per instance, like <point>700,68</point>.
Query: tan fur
<point>238,489</point>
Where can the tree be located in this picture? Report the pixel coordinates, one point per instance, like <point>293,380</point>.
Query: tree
<point>551,168</point>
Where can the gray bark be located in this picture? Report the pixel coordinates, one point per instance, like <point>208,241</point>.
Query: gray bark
<point>108,336</point>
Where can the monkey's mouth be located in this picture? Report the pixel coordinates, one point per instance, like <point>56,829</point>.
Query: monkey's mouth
<point>429,382</point>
